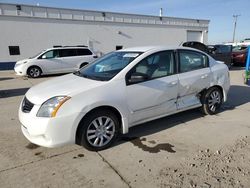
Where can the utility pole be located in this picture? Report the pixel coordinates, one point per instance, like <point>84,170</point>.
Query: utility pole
<point>235,24</point>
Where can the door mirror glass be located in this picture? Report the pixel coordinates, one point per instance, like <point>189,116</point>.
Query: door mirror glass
<point>137,77</point>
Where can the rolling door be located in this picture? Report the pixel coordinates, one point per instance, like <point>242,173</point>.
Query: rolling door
<point>194,36</point>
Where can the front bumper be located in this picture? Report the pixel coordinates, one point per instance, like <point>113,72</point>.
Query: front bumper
<point>48,132</point>
<point>20,70</point>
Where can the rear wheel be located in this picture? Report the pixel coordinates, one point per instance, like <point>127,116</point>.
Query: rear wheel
<point>99,130</point>
<point>211,101</point>
<point>34,72</point>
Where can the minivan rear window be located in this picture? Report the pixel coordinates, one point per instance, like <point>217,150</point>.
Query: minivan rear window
<point>67,52</point>
<point>83,52</point>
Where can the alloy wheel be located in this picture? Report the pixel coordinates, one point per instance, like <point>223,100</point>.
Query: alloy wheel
<point>34,72</point>
<point>214,100</point>
<point>100,131</point>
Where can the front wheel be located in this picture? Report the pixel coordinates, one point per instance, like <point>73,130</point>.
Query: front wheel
<point>34,72</point>
<point>99,130</point>
<point>211,101</point>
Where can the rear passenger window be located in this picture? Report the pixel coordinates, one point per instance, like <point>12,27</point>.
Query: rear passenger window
<point>68,52</point>
<point>191,60</point>
<point>83,52</point>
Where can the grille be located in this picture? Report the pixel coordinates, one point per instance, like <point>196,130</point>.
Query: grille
<point>27,105</point>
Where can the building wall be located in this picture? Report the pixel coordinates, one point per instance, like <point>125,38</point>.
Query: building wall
<point>35,33</point>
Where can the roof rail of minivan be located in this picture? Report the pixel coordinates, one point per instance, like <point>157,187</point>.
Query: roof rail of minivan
<point>76,46</point>
<point>59,46</point>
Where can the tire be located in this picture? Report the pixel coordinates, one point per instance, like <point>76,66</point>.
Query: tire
<point>211,101</point>
<point>83,65</point>
<point>34,72</point>
<point>99,130</point>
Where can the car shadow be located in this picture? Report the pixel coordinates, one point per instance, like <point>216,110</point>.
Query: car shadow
<point>237,67</point>
<point>237,96</point>
<point>53,75</point>
<point>6,78</point>
<point>12,92</point>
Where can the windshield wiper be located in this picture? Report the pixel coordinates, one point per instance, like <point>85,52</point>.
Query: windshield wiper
<point>94,77</point>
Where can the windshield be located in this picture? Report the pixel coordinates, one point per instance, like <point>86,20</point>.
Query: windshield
<point>223,48</point>
<point>32,57</point>
<point>108,66</point>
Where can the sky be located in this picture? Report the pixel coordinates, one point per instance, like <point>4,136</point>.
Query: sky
<point>219,12</point>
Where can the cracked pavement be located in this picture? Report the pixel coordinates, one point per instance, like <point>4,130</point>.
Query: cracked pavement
<point>182,150</point>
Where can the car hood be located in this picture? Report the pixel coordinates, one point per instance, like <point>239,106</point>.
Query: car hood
<point>67,85</point>
<point>22,61</point>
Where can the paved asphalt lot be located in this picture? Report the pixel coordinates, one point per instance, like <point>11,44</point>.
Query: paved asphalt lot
<point>183,150</point>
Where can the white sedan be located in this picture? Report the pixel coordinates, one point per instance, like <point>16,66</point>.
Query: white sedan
<point>122,89</point>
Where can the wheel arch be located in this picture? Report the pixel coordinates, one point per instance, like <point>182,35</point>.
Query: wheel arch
<point>215,86</point>
<point>123,124</point>
<point>83,64</point>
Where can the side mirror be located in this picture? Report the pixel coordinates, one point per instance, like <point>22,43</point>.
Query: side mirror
<point>137,77</point>
<point>44,57</point>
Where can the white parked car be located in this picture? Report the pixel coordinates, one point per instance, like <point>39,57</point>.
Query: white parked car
<point>55,60</point>
<point>120,90</point>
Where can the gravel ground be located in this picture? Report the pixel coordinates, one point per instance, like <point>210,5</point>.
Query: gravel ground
<point>179,151</point>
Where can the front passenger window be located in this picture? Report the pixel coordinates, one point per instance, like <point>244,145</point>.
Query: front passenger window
<point>50,54</point>
<point>156,65</point>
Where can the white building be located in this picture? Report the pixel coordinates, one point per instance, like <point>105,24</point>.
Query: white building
<point>25,30</point>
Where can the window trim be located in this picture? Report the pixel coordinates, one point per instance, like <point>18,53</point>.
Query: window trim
<point>194,51</point>
<point>175,67</point>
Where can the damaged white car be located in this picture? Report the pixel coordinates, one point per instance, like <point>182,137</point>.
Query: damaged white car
<point>92,106</point>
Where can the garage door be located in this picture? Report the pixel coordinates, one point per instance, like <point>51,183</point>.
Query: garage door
<point>194,36</point>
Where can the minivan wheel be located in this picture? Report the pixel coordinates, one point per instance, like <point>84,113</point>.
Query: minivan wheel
<point>99,130</point>
<point>34,72</point>
<point>211,101</point>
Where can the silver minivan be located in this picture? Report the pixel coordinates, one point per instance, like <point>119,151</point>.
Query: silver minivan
<point>55,60</point>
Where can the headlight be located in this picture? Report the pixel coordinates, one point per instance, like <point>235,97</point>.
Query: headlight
<point>51,106</point>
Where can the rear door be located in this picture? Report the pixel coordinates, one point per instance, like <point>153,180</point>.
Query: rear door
<point>85,56</point>
<point>69,59</point>
<point>194,76</point>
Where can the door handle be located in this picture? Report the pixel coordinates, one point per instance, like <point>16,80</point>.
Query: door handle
<point>204,76</point>
<point>172,84</point>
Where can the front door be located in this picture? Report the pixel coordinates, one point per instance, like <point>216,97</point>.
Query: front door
<point>50,62</point>
<point>156,95</point>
